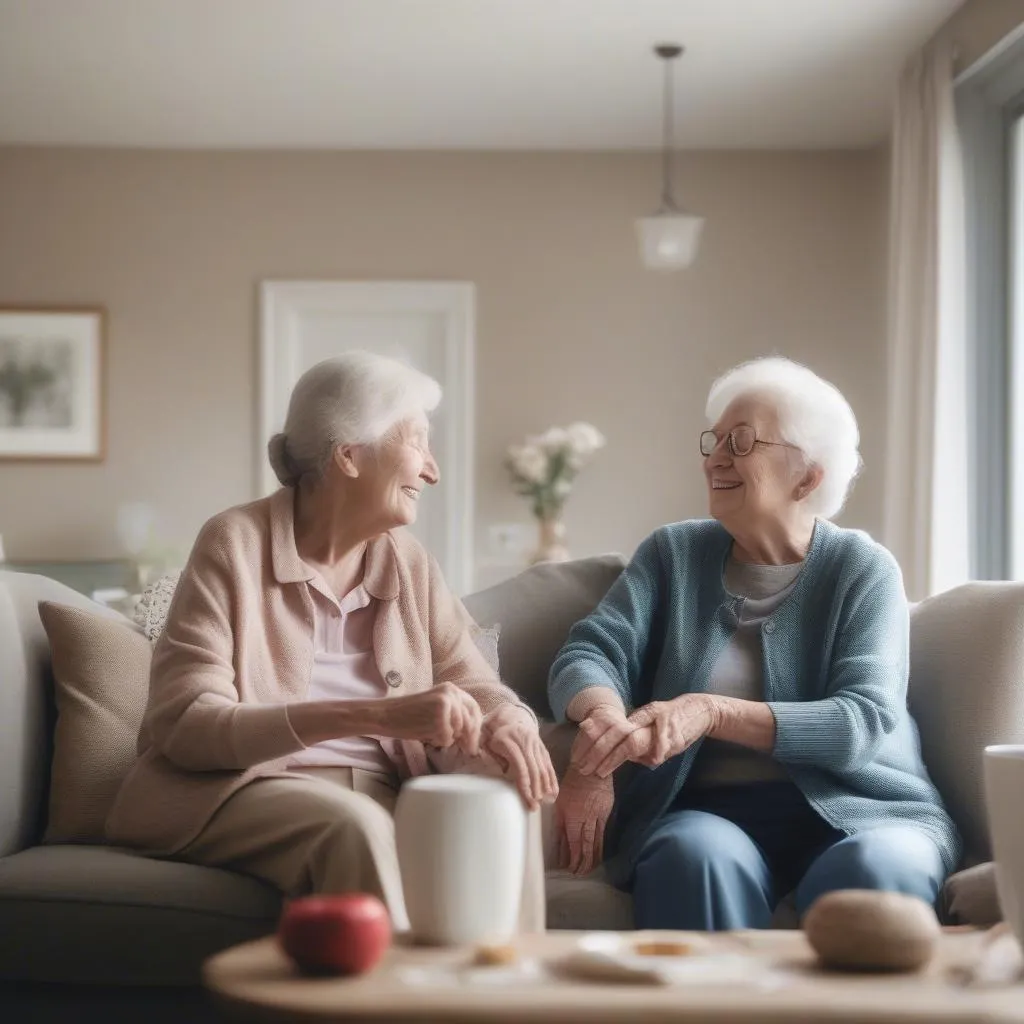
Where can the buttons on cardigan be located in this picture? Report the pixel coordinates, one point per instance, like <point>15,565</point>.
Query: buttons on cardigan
<point>393,678</point>
<point>769,627</point>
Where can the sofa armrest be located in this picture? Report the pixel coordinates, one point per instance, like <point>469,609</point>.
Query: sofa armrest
<point>26,703</point>
<point>26,712</point>
<point>967,691</point>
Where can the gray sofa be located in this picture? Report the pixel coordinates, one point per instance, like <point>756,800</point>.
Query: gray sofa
<point>86,929</point>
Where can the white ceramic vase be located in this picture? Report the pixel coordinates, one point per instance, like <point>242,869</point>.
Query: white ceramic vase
<point>461,849</point>
<point>551,546</point>
<point>1004,784</point>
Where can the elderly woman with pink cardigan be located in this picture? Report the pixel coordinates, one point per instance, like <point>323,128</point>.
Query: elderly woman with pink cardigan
<point>314,658</point>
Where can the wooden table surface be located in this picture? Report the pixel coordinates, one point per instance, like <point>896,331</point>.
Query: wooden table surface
<point>256,982</point>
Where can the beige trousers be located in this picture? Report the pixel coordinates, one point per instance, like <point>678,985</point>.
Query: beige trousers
<point>333,831</point>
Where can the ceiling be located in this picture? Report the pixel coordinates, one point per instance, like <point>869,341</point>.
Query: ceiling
<point>444,74</point>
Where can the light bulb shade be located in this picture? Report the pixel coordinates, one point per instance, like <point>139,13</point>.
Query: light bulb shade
<point>669,241</point>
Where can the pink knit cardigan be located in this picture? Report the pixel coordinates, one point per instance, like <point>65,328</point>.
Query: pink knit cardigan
<point>238,646</point>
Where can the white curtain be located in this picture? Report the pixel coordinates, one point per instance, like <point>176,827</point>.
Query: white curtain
<point>926,494</point>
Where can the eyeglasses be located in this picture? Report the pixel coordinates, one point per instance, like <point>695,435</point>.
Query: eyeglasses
<point>741,441</point>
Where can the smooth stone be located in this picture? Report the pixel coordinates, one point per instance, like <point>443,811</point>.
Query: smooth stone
<point>865,930</point>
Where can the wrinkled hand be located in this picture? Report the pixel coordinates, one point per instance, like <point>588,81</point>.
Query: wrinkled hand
<point>443,716</point>
<point>511,737</point>
<point>668,728</point>
<point>581,813</point>
<point>605,729</point>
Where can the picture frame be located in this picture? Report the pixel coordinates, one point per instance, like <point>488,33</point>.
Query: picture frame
<point>52,384</point>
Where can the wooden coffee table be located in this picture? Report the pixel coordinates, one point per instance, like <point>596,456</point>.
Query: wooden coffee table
<point>256,982</point>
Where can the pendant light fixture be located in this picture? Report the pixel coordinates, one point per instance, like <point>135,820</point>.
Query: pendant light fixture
<point>669,238</point>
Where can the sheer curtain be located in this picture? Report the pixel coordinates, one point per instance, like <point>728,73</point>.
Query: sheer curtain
<point>926,495</point>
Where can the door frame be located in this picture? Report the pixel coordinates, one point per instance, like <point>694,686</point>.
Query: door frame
<point>282,307</point>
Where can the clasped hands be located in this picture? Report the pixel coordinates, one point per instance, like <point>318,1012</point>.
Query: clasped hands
<point>607,738</point>
<point>446,716</point>
<point>649,736</point>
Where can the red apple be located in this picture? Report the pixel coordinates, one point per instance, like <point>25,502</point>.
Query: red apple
<point>343,934</point>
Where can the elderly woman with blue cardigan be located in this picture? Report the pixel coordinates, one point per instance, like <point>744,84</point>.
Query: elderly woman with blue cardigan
<point>750,670</point>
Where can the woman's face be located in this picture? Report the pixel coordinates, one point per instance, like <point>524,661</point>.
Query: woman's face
<point>745,490</point>
<point>394,474</point>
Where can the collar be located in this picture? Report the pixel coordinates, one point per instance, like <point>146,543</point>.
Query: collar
<point>380,577</point>
<point>825,533</point>
<point>288,567</point>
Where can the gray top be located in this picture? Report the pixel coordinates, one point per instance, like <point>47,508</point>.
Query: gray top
<point>756,592</point>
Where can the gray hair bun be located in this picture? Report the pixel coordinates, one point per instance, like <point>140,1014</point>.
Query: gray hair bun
<point>281,462</point>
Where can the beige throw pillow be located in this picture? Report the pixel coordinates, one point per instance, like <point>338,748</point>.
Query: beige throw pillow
<point>101,669</point>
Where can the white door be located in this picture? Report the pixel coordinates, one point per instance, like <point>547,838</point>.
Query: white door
<point>431,326</point>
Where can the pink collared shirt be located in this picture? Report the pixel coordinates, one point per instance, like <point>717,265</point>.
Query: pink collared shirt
<point>344,669</point>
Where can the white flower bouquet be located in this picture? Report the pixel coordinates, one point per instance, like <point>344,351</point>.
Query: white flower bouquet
<point>544,467</point>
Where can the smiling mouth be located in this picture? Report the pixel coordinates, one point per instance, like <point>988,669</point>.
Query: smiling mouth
<point>412,493</point>
<point>725,485</point>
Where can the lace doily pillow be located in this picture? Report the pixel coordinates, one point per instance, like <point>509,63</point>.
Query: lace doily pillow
<point>486,639</point>
<point>154,602</point>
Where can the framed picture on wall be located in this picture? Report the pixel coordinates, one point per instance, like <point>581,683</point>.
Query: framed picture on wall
<point>51,384</point>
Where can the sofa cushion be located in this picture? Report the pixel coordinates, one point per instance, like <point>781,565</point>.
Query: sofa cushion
<point>536,610</point>
<point>101,673</point>
<point>967,691</point>
<point>590,903</point>
<point>106,916</point>
<point>970,897</point>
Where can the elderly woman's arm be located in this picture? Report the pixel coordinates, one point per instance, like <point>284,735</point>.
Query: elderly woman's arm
<point>867,687</point>
<point>195,716</point>
<point>601,661</point>
<point>868,679</point>
<point>593,681</point>
<point>749,723</point>
<point>842,732</point>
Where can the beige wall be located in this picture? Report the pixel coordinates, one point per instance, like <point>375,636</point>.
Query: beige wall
<point>569,325</point>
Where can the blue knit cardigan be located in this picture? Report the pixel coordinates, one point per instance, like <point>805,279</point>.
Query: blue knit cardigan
<point>836,662</point>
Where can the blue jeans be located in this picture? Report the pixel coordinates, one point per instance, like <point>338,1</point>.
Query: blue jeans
<point>723,857</point>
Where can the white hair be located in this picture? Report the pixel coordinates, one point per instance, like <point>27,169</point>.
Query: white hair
<point>813,416</point>
<point>355,398</point>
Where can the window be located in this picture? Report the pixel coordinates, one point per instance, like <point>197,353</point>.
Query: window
<point>990,112</point>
